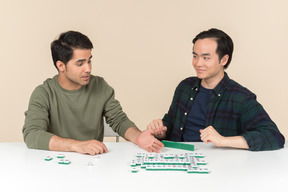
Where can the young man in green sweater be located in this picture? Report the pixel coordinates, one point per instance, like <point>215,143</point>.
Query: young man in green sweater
<point>66,112</point>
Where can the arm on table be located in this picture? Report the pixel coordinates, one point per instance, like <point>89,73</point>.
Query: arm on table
<point>91,147</point>
<point>143,139</point>
<point>209,134</point>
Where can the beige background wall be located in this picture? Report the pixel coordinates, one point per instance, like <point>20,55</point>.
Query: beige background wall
<point>143,49</point>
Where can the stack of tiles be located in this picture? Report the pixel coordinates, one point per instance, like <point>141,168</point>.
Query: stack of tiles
<point>189,162</point>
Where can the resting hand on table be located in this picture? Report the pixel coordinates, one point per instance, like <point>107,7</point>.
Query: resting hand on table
<point>91,147</point>
<point>157,128</point>
<point>209,134</point>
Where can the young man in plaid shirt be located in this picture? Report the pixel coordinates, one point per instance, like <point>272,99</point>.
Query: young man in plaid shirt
<point>212,107</point>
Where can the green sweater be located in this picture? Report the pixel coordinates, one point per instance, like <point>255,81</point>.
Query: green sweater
<point>72,114</point>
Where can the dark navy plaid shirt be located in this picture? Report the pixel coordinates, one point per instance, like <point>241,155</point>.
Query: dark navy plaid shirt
<point>232,110</point>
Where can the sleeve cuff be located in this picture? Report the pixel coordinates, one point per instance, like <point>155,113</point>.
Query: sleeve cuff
<point>43,140</point>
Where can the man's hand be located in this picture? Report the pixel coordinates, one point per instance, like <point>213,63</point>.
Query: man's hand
<point>147,141</point>
<point>91,147</point>
<point>209,134</point>
<point>157,128</point>
<point>143,139</point>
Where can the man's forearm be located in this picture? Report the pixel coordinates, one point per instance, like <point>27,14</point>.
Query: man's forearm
<point>57,143</point>
<point>235,142</point>
<point>132,134</point>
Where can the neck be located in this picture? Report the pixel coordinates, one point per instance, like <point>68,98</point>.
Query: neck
<point>211,83</point>
<point>66,84</point>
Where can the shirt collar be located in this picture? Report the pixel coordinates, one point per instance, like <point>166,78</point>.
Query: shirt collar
<point>219,89</point>
<point>222,85</point>
<point>196,85</point>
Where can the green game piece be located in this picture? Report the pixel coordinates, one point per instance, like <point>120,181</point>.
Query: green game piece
<point>133,164</point>
<point>178,145</point>
<point>48,158</point>
<point>134,170</point>
<point>64,162</point>
<point>60,156</point>
<point>205,171</point>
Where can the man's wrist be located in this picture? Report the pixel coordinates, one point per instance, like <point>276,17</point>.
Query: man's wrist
<point>63,144</point>
<point>235,142</point>
<point>132,134</point>
<point>224,142</point>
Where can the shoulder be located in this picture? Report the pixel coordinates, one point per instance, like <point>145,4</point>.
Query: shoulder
<point>97,81</point>
<point>188,83</point>
<point>233,86</point>
<point>43,92</point>
<point>99,85</point>
<point>190,80</point>
<point>238,92</point>
<point>46,86</point>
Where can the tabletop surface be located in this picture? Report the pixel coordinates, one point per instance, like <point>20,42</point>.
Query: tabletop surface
<point>230,170</point>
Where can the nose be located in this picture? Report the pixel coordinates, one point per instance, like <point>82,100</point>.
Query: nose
<point>87,68</point>
<point>197,62</point>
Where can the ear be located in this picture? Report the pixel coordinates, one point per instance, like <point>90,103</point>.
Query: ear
<point>224,60</point>
<point>61,66</point>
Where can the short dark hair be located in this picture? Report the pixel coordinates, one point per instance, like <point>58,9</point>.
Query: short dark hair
<point>224,43</point>
<point>62,48</point>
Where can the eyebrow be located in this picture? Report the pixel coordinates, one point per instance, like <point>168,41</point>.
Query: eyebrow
<point>81,60</point>
<point>204,54</point>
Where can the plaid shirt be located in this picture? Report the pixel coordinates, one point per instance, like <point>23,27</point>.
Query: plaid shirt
<point>232,110</point>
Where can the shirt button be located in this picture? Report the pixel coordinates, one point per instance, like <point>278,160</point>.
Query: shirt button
<point>196,89</point>
<point>185,113</point>
<point>219,95</point>
<point>181,128</point>
<point>191,98</point>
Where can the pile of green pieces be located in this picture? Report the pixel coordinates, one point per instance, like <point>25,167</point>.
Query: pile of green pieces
<point>189,162</point>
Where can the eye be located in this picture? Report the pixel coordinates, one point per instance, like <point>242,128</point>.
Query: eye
<point>206,58</point>
<point>79,64</point>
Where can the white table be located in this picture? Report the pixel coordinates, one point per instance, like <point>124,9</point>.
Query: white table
<point>23,169</point>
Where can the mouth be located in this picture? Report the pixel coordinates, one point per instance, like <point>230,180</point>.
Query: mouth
<point>200,70</point>
<point>85,77</point>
